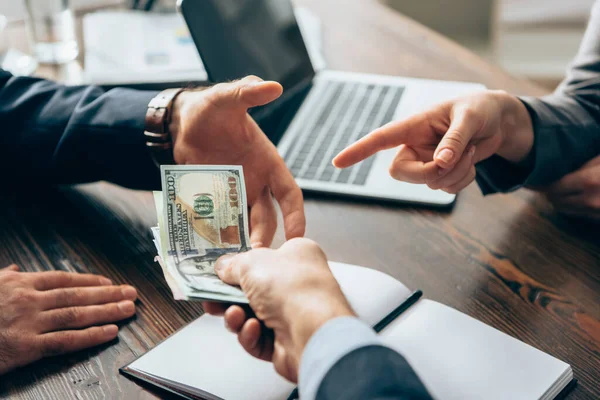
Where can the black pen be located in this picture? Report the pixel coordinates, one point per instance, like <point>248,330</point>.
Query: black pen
<point>381,325</point>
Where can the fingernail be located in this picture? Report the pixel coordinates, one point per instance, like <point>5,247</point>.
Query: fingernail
<point>445,155</point>
<point>110,330</point>
<point>472,151</point>
<point>223,262</point>
<point>126,307</point>
<point>257,83</point>
<point>105,281</point>
<point>129,292</point>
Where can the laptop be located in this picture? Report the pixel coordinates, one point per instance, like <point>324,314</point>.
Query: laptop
<point>321,112</point>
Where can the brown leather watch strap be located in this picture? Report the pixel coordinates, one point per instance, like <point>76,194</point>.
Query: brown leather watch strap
<point>158,117</point>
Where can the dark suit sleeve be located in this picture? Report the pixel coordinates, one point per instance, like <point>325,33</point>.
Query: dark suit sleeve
<point>345,359</point>
<point>566,125</point>
<point>369,373</point>
<point>59,134</point>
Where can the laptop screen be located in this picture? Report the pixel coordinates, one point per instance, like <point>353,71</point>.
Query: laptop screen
<point>236,38</point>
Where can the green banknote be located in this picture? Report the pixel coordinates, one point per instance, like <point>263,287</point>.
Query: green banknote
<point>202,215</point>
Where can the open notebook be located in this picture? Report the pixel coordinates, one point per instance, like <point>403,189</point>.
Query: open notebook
<point>456,356</point>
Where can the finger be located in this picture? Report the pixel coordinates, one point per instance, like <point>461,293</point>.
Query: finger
<point>407,167</point>
<point>86,296</point>
<point>463,183</point>
<point>580,205</point>
<point>60,279</point>
<point>464,125</point>
<point>247,93</point>
<point>228,268</point>
<point>256,340</point>
<point>568,202</point>
<point>263,220</point>
<point>593,162</point>
<point>235,317</point>
<point>445,178</point>
<point>584,214</point>
<point>217,309</point>
<point>578,210</point>
<point>289,196</point>
<point>55,343</point>
<point>81,317</point>
<point>13,267</point>
<point>584,202</point>
<point>571,184</point>
<point>284,363</point>
<point>258,93</point>
<point>388,136</point>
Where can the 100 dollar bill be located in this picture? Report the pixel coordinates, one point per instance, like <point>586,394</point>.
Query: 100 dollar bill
<point>203,216</point>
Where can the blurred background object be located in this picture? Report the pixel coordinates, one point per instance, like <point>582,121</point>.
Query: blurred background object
<point>531,38</point>
<point>15,9</point>
<point>51,30</point>
<point>535,39</point>
<point>116,42</point>
<point>538,38</point>
<point>11,59</point>
<point>158,49</point>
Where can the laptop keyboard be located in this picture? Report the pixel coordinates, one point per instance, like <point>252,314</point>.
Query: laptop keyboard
<point>345,112</point>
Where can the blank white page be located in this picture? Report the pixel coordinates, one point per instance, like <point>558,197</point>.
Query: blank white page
<point>372,294</point>
<point>206,356</point>
<point>460,358</point>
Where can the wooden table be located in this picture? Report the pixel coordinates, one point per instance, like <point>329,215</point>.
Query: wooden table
<point>506,260</point>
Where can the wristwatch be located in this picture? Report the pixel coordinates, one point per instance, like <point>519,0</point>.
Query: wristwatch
<point>158,117</point>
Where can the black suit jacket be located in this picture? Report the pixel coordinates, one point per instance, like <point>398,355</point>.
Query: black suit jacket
<point>372,373</point>
<point>60,134</point>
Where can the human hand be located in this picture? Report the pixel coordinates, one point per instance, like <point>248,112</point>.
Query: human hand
<point>441,146</point>
<point>212,126</point>
<point>291,290</point>
<point>49,313</point>
<point>577,193</point>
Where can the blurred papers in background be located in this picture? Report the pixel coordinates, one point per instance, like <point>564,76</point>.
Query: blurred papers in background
<point>135,47</point>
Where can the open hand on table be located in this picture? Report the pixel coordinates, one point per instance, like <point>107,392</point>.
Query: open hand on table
<point>49,313</point>
<point>578,193</point>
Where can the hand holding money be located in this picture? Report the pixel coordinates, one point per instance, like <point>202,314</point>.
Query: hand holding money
<point>212,126</point>
<point>202,215</point>
<point>283,324</point>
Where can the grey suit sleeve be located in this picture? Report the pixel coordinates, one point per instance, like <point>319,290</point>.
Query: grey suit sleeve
<point>62,134</point>
<point>345,359</point>
<point>566,125</point>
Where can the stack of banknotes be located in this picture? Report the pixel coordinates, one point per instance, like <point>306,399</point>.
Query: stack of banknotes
<point>202,214</point>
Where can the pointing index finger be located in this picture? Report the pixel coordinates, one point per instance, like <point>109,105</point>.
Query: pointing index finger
<point>388,136</point>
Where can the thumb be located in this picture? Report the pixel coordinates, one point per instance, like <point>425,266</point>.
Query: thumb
<point>463,127</point>
<point>253,91</point>
<point>228,269</point>
<point>245,93</point>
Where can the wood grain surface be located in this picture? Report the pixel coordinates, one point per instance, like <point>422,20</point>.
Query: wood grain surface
<point>506,260</point>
